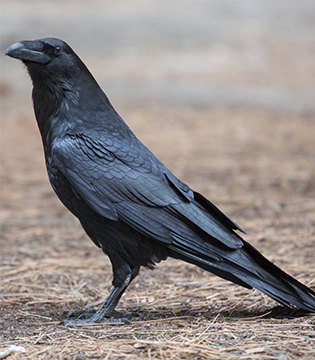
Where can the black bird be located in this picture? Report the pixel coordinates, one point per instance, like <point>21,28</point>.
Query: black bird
<point>127,201</point>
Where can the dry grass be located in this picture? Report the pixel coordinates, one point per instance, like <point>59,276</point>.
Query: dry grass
<point>258,167</point>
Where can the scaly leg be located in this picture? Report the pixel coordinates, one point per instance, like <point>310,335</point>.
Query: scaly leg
<point>107,313</point>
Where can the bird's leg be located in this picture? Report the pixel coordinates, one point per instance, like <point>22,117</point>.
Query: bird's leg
<point>118,314</point>
<point>107,313</point>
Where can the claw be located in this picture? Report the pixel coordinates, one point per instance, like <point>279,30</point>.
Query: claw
<point>80,313</point>
<point>90,315</point>
<point>91,321</point>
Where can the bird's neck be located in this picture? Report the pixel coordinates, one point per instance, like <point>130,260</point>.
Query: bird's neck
<point>47,105</point>
<point>58,109</point>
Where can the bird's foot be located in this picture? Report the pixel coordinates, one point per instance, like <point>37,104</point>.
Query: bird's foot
<point>91,320</point>
<point>91,315</point>
<point>81,313</point>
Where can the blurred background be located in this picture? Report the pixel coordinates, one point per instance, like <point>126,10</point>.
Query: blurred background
<point>198,53</point>
<point>223,92</point>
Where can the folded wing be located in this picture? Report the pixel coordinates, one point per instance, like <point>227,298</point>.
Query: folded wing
<point>118,181</point>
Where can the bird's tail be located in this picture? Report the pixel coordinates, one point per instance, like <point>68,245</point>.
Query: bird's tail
<point>249,268</point>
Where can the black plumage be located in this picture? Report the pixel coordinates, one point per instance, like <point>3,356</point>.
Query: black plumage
<point>127,201</point>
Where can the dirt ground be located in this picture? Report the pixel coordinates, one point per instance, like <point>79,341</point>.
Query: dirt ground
<point>256,161</point>
<point>48,266</point>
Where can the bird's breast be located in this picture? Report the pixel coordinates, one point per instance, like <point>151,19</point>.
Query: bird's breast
<point>62,187</point>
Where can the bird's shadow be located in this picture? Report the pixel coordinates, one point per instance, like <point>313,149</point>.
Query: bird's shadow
<point>237,313</point>
<point>276,312</point>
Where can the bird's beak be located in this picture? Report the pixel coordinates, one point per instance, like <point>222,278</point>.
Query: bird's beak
<point>28,51</point>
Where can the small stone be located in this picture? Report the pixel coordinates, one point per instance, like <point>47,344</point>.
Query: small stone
<point>140,346</point>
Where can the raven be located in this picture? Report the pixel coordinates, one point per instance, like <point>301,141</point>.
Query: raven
<point>127,201</point>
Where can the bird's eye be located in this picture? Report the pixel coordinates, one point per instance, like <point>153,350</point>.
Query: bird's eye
<point>57,50</point>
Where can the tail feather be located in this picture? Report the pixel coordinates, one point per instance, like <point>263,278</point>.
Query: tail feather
<point>279,285</point>
<point>251,270</point>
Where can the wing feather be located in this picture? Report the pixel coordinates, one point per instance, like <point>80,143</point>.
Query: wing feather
<point>138,189</point>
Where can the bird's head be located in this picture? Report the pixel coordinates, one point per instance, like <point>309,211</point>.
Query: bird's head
<point>49,61</point>
<point>60,79</point>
